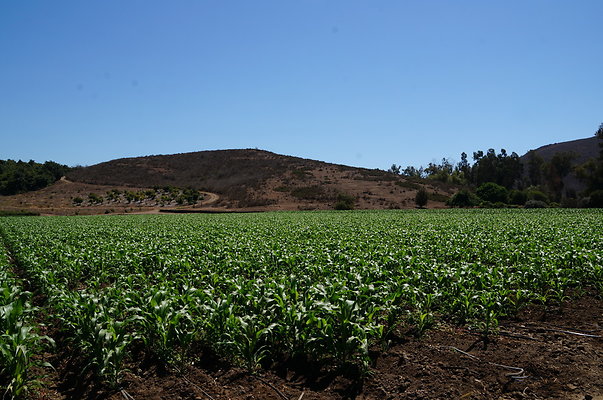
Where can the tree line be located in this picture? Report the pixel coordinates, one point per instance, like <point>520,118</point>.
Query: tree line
<point>492,178</point>
<point>20,176</point>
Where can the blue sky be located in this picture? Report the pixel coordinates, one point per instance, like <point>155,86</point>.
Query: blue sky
<point>363,83</point>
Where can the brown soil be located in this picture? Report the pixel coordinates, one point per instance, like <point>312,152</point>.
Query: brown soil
<point>556,362</point>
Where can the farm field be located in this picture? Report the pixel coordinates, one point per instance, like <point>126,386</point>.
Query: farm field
<point>468,304</point>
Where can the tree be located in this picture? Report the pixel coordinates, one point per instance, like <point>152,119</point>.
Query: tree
<point>440,172</point>
<point>502,169</point>
<point>412,172</point>
<point>463,166</point>
<point>463,198</point>
<point>556,170</point>
<point>591,172</point>
<point>492,192</point>
<point>421,198</point>
<point>394,169</point>
<point>19,176</point>
<point>535,163</point>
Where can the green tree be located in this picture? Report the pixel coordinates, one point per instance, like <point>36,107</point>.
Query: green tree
<point>464,198</point>
<point>555,170</point>
<point>502,169</point>
<point>535,163</point>
<point>19,176</point>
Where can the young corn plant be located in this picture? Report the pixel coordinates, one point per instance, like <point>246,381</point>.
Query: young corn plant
<point>345,330</point>
<point>167,327</point>
<point>90,322</point>
<point>250,342</point>
<point>18,342</point>
<point>488,314</point>
<point>422,316</point>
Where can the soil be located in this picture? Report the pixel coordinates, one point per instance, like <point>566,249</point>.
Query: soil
<point>540,354</point>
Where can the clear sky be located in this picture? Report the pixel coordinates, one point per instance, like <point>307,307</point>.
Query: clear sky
<point>364,83</point>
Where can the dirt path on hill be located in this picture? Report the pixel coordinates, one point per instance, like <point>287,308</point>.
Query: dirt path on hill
<point>209,198</point>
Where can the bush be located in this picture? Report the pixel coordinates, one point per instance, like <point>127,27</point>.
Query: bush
<point>94,198</point>
<point>492,192</point>
<point>421,197</point>
<point>518,197</point>
<point>344,202</point>
<point>537,195</point>
<point>535,204</point>
<point>308,192</point>
<point>463,198</point>
<point>438,197</point>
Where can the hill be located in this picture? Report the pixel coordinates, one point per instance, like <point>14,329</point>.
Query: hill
<point>230,180</point>
<point>582,149</point>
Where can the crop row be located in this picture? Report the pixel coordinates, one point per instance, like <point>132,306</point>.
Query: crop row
<point>19,339</point>
<point>325,286</point>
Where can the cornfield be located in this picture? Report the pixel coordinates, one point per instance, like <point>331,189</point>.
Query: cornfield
<point>254,288</point>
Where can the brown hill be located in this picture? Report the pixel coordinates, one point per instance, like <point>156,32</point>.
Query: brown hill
<point>261,180</point>
<point>584,149</point>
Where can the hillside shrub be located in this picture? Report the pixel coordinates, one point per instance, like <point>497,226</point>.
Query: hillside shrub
<point>344,202</point>
<point>440,197</point>
<point>308,192</point>
<point>18,213</point>
<point>94,198</point>
<point>421,198</point>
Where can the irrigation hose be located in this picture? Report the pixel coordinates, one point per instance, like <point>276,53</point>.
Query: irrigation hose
<point>568,332</point>
<point>518,374</point>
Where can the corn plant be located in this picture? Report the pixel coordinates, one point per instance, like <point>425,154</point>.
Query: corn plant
<point>249,342</point>
<point>90,321</point>
<point>167,328</point>
<point>19,340</point>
